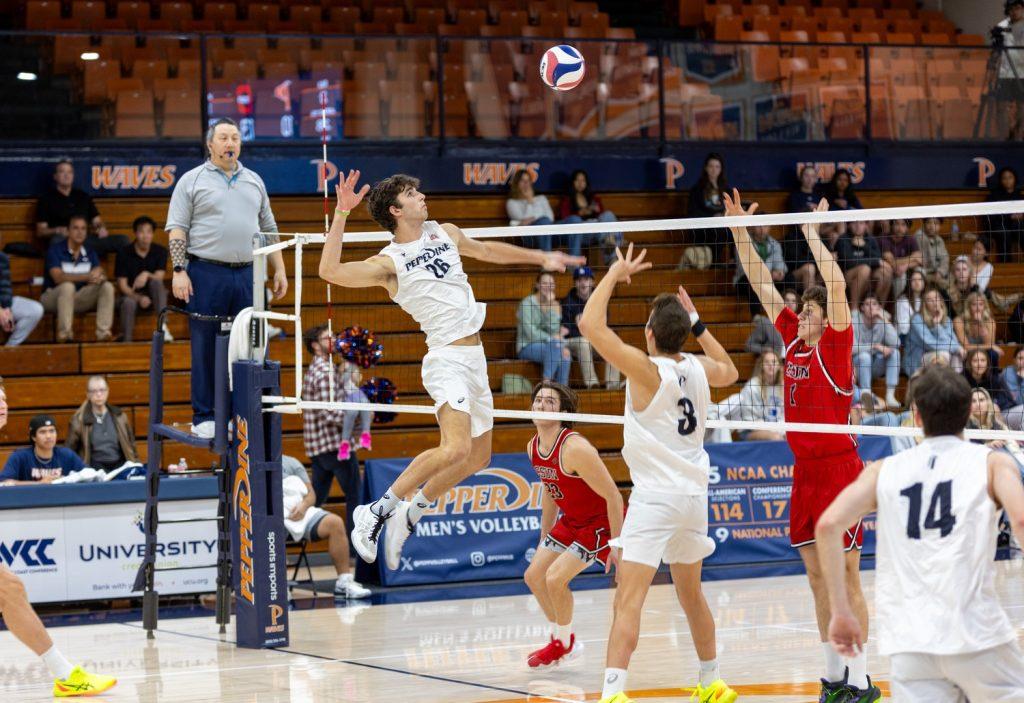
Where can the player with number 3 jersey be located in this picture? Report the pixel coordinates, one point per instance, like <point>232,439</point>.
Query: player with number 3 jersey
<point>421,269</point>
<point>667,398</point>
<point>818,388</point>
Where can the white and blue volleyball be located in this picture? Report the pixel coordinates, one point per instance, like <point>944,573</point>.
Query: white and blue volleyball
<point>562,67</point>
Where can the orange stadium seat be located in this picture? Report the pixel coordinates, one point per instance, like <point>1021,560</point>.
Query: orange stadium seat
<point>89,13</point>
<point>363,115</point>
<point>728,28</point>
<point>181,114</point>
<point>713,12</point>
<point>220,12</point>
<point>97,75</point>
<point>44,15</point>
<point>134,115</point>
<point>261,14</point>
<point>929,39</point>
<point>970,40</point>
<point>149,70</point>
<point>68,50</point>
<point>176,14</point>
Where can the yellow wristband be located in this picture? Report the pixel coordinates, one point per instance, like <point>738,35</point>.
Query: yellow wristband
<point>342,212</point>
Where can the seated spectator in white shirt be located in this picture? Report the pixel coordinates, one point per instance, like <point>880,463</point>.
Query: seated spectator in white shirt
<point>525,207</point>
<point>909,304</point>
<point>762,398</point>
<point>305,521</point>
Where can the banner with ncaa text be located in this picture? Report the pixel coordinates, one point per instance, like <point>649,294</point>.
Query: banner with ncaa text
<point>488,526</point>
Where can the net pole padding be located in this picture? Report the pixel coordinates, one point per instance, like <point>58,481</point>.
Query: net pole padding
<point>914,212</point>
<point>279,404</point>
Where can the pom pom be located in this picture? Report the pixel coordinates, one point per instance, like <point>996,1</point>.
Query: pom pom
<point>359,346</point>
<point>381,390</point>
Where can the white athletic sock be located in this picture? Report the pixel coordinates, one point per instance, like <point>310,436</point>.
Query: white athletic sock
<point>859,668</point>
<point>834,666</point>
<point>614,682</point>
<point>417,506</point>
<point>385,504</point>
<point>709,672</point>
<point>60,668</point>
<point>564,633</point>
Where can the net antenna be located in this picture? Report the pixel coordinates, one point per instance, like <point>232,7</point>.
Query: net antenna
<point>295,403</point>
<point>298,264</point>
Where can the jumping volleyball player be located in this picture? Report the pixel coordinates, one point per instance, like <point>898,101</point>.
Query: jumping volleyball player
<point>818,387</point>
<point>938,615</point>
<point>667,398</point>
<point>421,269</point>
<point>577,483</point>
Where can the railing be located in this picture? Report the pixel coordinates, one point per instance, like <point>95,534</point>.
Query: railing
<point>160,87</point>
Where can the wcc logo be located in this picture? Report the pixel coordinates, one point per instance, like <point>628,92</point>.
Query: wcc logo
<point>27,552</point>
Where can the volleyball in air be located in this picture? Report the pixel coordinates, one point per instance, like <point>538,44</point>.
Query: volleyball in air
<point>562,67</point>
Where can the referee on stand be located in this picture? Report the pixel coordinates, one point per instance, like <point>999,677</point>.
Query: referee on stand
<point>215,211</point>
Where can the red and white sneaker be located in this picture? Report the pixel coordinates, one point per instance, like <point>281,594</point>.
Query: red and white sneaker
<point>555,653</point>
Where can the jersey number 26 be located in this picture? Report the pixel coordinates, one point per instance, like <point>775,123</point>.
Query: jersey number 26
<point>439,268</point>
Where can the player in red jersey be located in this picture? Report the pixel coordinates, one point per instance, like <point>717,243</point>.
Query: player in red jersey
<point>818,387</point>
<point>578,485</point>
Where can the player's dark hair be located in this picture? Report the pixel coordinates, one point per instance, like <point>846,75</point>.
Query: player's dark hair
<point>946,407</point>
<point>312,335</point>
<point>143,220</point>
<point>384,196</point>
<point>670,323</point>
<point>568,401</point>
<point>816,294</point>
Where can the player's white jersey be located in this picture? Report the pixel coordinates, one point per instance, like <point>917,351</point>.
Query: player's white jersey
<point>664,444</point>
<point>433,288</point>
<point>937,529</point>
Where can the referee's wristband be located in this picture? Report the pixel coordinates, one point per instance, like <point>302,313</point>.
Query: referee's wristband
<point>696,326</point>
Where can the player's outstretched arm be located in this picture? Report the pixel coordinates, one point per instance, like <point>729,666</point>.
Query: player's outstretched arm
<point>853,503</point>
<point>1006,489</point>
<point>354,274</point>
<point>718,365</point>
<point>495,252</point>
<point>593,325</point>
<point>584,459</point>
<point>835,282</point>
<point>754,268</point>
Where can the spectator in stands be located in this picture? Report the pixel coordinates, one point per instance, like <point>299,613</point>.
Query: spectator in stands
<point>980,266</point>
<point>1006,231</point>
<point>322,430</point>
<point>18,315</point>
<point>770,251</point>
<point>761,399</point>
<point>349,382</point>
<point>540,335</point>
<point>526,208</point>
<point>859,256</point>
<point>100,433</point>
<point>76,283</point>
<point>934,256</point>
<point>909,304</point>
<point>140,270</point>
<point>581,204</point>
<point>55,208</point>
<point>985,416</point>
<point>579,346</point>
<point>840,193</point>
<point>961,285</point>
<point>215,211</point>
<point>706,201</point>
<point>764,337</point>
<point>876,351</point>
<point>980,374</point>
<point>931,335</point>
<point>44,461</point>
<point>1013,383</point>
<point>802,270</point>
<point>976,328</point>
<point>901,253</point>
<point>805,198</point>
<point>304,520</point>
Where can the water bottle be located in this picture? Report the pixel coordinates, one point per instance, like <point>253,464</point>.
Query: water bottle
<point>182,465</point>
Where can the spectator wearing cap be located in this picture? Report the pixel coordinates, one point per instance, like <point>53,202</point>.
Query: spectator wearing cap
<point>55,208</point>
<point>100,433</point>
<point>901,252</point>
<point>216,211</point>
<point>140,271</point>
<point>579,346</point>
<point>76,283</point>
<point>44,461</point>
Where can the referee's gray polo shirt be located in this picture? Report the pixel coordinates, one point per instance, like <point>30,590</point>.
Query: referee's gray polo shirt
<point>220,214</point>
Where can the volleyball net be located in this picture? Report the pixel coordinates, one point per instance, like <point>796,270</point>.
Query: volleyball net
<point>913,303</point>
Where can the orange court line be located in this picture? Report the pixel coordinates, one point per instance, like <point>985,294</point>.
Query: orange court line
<point>753,689</point>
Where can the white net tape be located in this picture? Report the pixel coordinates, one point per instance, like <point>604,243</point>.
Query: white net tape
<point>302,241</point>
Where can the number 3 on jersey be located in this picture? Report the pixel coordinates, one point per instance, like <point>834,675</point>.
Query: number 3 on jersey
<point>688,422</point>
<point>439,268</point>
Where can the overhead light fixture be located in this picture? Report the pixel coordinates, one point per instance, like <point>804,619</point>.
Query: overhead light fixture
<point>26,76</point>
<point>89,56</point>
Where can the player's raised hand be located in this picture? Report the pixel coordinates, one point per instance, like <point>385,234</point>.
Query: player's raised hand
<point>559,261</point>
<point>734,205</point>
<point>808,228</point>
<point>845,634</point>
<point>348,198</point>
<point>626,266</point>
<point>684,298</point>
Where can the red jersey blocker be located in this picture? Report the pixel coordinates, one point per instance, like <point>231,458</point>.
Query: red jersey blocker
<point>818,387</point>
<point>582,527</point>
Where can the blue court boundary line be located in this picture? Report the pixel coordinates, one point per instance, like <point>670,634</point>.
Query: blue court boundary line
<point>351,662</point>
